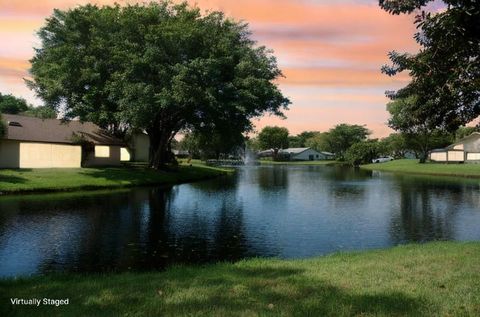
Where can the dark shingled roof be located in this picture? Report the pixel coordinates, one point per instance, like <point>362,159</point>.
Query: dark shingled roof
<point>55,131</point>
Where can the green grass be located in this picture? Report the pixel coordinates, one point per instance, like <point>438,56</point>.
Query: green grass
<point>323,162</point>
<point>45,180</point>
<point>413,167</point>
<point>436,279</point>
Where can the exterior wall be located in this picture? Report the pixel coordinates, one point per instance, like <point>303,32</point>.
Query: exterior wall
<point>456,156</point>
<point>124,155</point>
<point>16,154</point>
<point>438,156</point>
<point>140,147</point>
<point>48,155</point>
<point>472,144</point>
<point>103,155</point>
<point>305,156</point>
<point>473,156</point>
<point>9,154</point>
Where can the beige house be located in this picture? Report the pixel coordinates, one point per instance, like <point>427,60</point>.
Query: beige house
<point>466,150</point>
<point>51,143</point>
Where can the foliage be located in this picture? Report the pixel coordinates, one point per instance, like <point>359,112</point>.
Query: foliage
<point>364,152</point>
<point>319,142</point>
<point>396,145</point>
<point>301,139</point>
<point>464,131</point>
<point>445,73</point>
<point>253,144</point>
<point>12,105</point>
<point>213,144</point>
<point>418,134</point>
<point>42,112</point>
<point>159,67</point>
<point>424,279</point>
<point>275,138</point>
<point>343,136</point>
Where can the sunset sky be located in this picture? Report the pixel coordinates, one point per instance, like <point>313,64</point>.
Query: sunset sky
<point>330,52</point>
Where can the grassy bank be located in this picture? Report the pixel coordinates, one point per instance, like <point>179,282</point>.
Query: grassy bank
<point>436,279</point>
<point>413,167</point>
<point>31,180</point>
<point>270,162</point>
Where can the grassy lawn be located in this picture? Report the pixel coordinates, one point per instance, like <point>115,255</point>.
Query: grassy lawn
<point>413,167</point>
<point>323,162</point>
<point>25,180</point>
<point>436,279</point>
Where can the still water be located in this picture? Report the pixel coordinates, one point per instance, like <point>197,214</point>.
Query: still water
<point>281,211</point>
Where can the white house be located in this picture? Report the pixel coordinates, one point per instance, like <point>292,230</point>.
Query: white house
<point>306,154</point>
<point>466,150</point>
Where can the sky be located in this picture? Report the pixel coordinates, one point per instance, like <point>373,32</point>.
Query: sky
<point>330,52</point>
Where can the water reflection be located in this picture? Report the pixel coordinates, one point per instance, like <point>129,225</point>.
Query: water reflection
<point>289,212</point>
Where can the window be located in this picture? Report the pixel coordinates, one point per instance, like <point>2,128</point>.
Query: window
<point>14,124</point>
<point>102,151</point>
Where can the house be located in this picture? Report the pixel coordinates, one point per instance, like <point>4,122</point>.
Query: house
<point>305,154</point>
<point>50,143</point>
<point>466,150</point>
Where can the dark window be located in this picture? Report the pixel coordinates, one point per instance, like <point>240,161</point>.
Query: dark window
<point>14,124</point>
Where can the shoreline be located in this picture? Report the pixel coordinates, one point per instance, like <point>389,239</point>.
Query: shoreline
<point>38,181</point>
<point>412,167</point>
<point>436,278</point>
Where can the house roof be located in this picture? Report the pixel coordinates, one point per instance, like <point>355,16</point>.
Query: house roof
<point>295,150</point>
<point>468,137</point>
<point>23,128</point>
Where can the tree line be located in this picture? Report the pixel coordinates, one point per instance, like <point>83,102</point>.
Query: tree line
<point>351,143</point>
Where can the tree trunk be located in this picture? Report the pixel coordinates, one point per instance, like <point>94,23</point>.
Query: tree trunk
<point>160,154</point>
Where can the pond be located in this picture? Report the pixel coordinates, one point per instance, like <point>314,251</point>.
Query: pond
<point>267,211</point>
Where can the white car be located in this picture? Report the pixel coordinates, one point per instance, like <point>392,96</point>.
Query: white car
<point>382,159</point>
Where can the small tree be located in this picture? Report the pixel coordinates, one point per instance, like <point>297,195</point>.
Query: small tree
<point>319,142</point>
<point>363,152</point>
<point>275,138</point>
<point>343,136</point>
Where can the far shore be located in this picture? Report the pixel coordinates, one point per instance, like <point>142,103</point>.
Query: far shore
<point>412,166</point>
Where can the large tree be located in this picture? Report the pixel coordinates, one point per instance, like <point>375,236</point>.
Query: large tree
<point>445,72</point>
<point>158,67</point>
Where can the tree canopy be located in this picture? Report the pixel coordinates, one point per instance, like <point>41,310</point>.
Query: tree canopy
<point>12,105</point>
<point>275,138</point>
<point>158,67</point>
<point>445,72</point>
<point>341,137</point>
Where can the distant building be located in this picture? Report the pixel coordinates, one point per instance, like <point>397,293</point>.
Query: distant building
<point>50,143</point>
<point>466,150</point>
<point>299,154</point>
<point>306,154</point>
